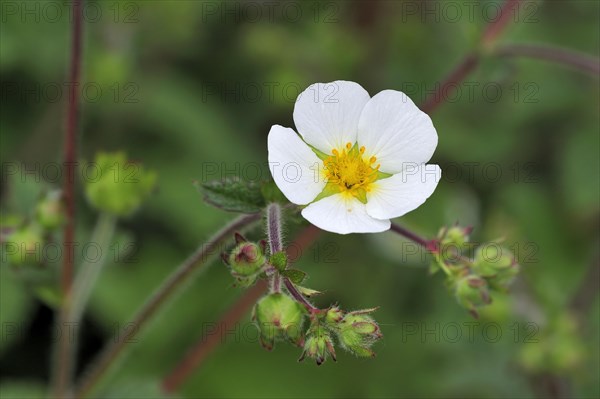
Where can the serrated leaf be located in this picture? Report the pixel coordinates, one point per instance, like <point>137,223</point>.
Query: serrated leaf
<point>308,292</point>
<point>233,195</point>
<point>296,276</point>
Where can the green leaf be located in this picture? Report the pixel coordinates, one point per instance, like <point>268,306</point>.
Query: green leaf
<point>233,195</point>
<point>296,276</point>
<point>308,292</point>
<point>272,193</point>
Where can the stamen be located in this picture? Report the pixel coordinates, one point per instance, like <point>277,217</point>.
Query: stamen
<point>362,149</point>
<point>373,159</point>
<point>348,145</point>
<point>335,152</point>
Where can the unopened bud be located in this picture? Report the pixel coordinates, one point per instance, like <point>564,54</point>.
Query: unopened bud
<point>121,186</point>
<point>492,259</point>
<point>49,212</point>
<point>318,345</point>
<point>472,292</point>
<point>334,315</point>
<point>23,246</point>
<point>456,236</point>
<point>246,259</point>
<point>358,332</point>
<point>279,317</point>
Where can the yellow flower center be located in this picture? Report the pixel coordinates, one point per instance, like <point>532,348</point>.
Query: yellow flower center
<point>350,171</point>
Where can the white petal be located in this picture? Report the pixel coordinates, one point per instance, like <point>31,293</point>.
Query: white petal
<point>396,131</point>
<point>294,166</point>
<point>343,214</point>
<point>403,192</point>
<point>327,114</point>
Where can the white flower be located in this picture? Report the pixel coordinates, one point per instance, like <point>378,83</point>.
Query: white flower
<point>359,162</point>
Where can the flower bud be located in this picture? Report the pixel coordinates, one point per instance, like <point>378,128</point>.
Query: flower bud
<point>471,292</point>
<point>49,212</point>
<point>456,236</point>
<point>334,315</point>
<point>119,186</point>
<point>246,259</point>
<point>358,332</point>
<point>318,345</point>
<point>279,317</point>
<point>24,246</point>
<point>492,259</point>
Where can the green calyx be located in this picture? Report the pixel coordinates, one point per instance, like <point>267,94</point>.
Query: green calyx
<point>279,317</point>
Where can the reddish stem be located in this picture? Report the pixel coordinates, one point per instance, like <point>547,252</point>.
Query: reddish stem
<point>64,352</point>
<point>471,60</point>
<point>566,57</point>
<point>207,344</point>
<point>493,30</point>
<point>70,146</point>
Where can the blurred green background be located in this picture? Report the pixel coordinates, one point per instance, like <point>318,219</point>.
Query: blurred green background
<point>190,87</point>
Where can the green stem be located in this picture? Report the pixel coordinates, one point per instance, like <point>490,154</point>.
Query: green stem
<point>173,284</point>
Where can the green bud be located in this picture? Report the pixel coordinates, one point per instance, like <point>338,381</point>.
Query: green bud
<point>358,332</point>
<point>492,259</point>
<point>279,317</point>
<point>456,236</point>
<point>49,212</point>
<point>246,259</point>
<point>24,246</point>
<point>119,186</point>
<point>279,260</point>
<point>334,315</point>
<point>318,345</point>
<point>471,292</point>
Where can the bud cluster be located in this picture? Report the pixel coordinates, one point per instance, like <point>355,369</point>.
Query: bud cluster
<point>492,269</point>
<point>23,239</point>
<point>356,332</point>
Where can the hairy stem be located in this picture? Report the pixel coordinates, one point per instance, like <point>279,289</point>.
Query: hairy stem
<point>275,240</point>
<point>63,353</point>
<point>579,61</point>
<point>166,291</point>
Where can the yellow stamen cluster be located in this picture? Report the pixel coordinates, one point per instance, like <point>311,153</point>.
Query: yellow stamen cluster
<point>351,171</point>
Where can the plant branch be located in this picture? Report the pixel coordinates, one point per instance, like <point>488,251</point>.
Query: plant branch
<point>298,296</point>
<point>430,245</point>
<point>471,60</point>
<point>574,59</point>
<point>63,353</point>
<point>160,297</point>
